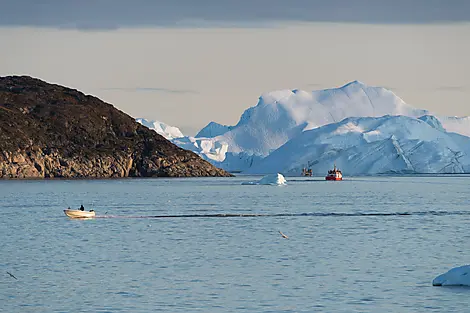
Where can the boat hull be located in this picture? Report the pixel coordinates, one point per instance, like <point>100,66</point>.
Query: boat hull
<point>333,178</point>
<point>79,214</point>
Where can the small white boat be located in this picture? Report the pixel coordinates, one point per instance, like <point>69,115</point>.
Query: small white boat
<point>79,213</point>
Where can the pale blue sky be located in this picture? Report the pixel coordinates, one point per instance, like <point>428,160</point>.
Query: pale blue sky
<point>188,64</point>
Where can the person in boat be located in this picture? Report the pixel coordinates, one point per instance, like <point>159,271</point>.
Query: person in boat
<point>82,208</point>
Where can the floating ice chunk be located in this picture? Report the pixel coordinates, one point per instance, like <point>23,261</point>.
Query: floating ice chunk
<point>271,179</point>
<point>458,276</point>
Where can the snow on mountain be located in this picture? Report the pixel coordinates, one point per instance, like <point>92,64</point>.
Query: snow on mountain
<point>371,145</point>
<point>169,132</point>
<point>282,115</point>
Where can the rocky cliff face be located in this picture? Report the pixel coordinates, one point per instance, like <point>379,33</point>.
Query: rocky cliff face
<point>48,130</point>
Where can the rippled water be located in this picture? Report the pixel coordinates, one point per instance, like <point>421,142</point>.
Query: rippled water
<point>370,244</point>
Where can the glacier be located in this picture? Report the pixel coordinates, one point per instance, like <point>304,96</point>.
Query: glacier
<point>283,115</point>
<point>458,276</point>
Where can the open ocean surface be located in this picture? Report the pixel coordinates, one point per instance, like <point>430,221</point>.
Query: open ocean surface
<point>366,244</point>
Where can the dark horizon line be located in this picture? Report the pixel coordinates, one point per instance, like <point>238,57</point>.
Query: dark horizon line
<point>203,24</point>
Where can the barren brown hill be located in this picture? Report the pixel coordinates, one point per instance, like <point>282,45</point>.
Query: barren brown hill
<point>47,130</point>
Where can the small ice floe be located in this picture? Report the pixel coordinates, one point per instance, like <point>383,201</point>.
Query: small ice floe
<point>458,276</point>
<point>271,179</point>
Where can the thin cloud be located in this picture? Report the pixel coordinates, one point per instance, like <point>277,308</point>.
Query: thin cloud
<point>111,14</point>
<point>430,88</point>
<point>394,89</point>
<point>452,88</point>
<point>314,85</point>
<point>152,89</point>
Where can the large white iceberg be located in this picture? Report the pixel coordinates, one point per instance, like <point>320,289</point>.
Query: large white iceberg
<point>459,276</point>
<point>271,179</point>
<point>369,145</point>
<point>282,116</point>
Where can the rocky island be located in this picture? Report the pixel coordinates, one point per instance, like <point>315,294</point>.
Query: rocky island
<point>47,131</point>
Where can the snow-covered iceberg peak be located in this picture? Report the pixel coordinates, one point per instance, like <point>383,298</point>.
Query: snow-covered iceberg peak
<point>169,132</point>
<point>281,115</point>
<point>271,179</point>
<point>458,276</point>
<point>213,129</point>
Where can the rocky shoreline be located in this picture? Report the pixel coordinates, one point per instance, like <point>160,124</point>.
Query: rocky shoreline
<point>50,131</point>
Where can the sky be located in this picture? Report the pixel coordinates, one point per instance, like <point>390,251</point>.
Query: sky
<point>187,63</point>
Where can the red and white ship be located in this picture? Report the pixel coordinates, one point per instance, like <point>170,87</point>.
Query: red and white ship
<point>334,174</point>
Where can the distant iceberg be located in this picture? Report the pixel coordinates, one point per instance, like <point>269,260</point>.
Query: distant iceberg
<point>394,137</point>
<point>281,115</point>
<point>213,129</point>
<point>271,179</point>
<point>372,145</point>
<point>458,276</point>
<point>169,132</point>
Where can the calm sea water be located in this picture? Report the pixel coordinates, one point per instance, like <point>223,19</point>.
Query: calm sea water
<point>350,249</point>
